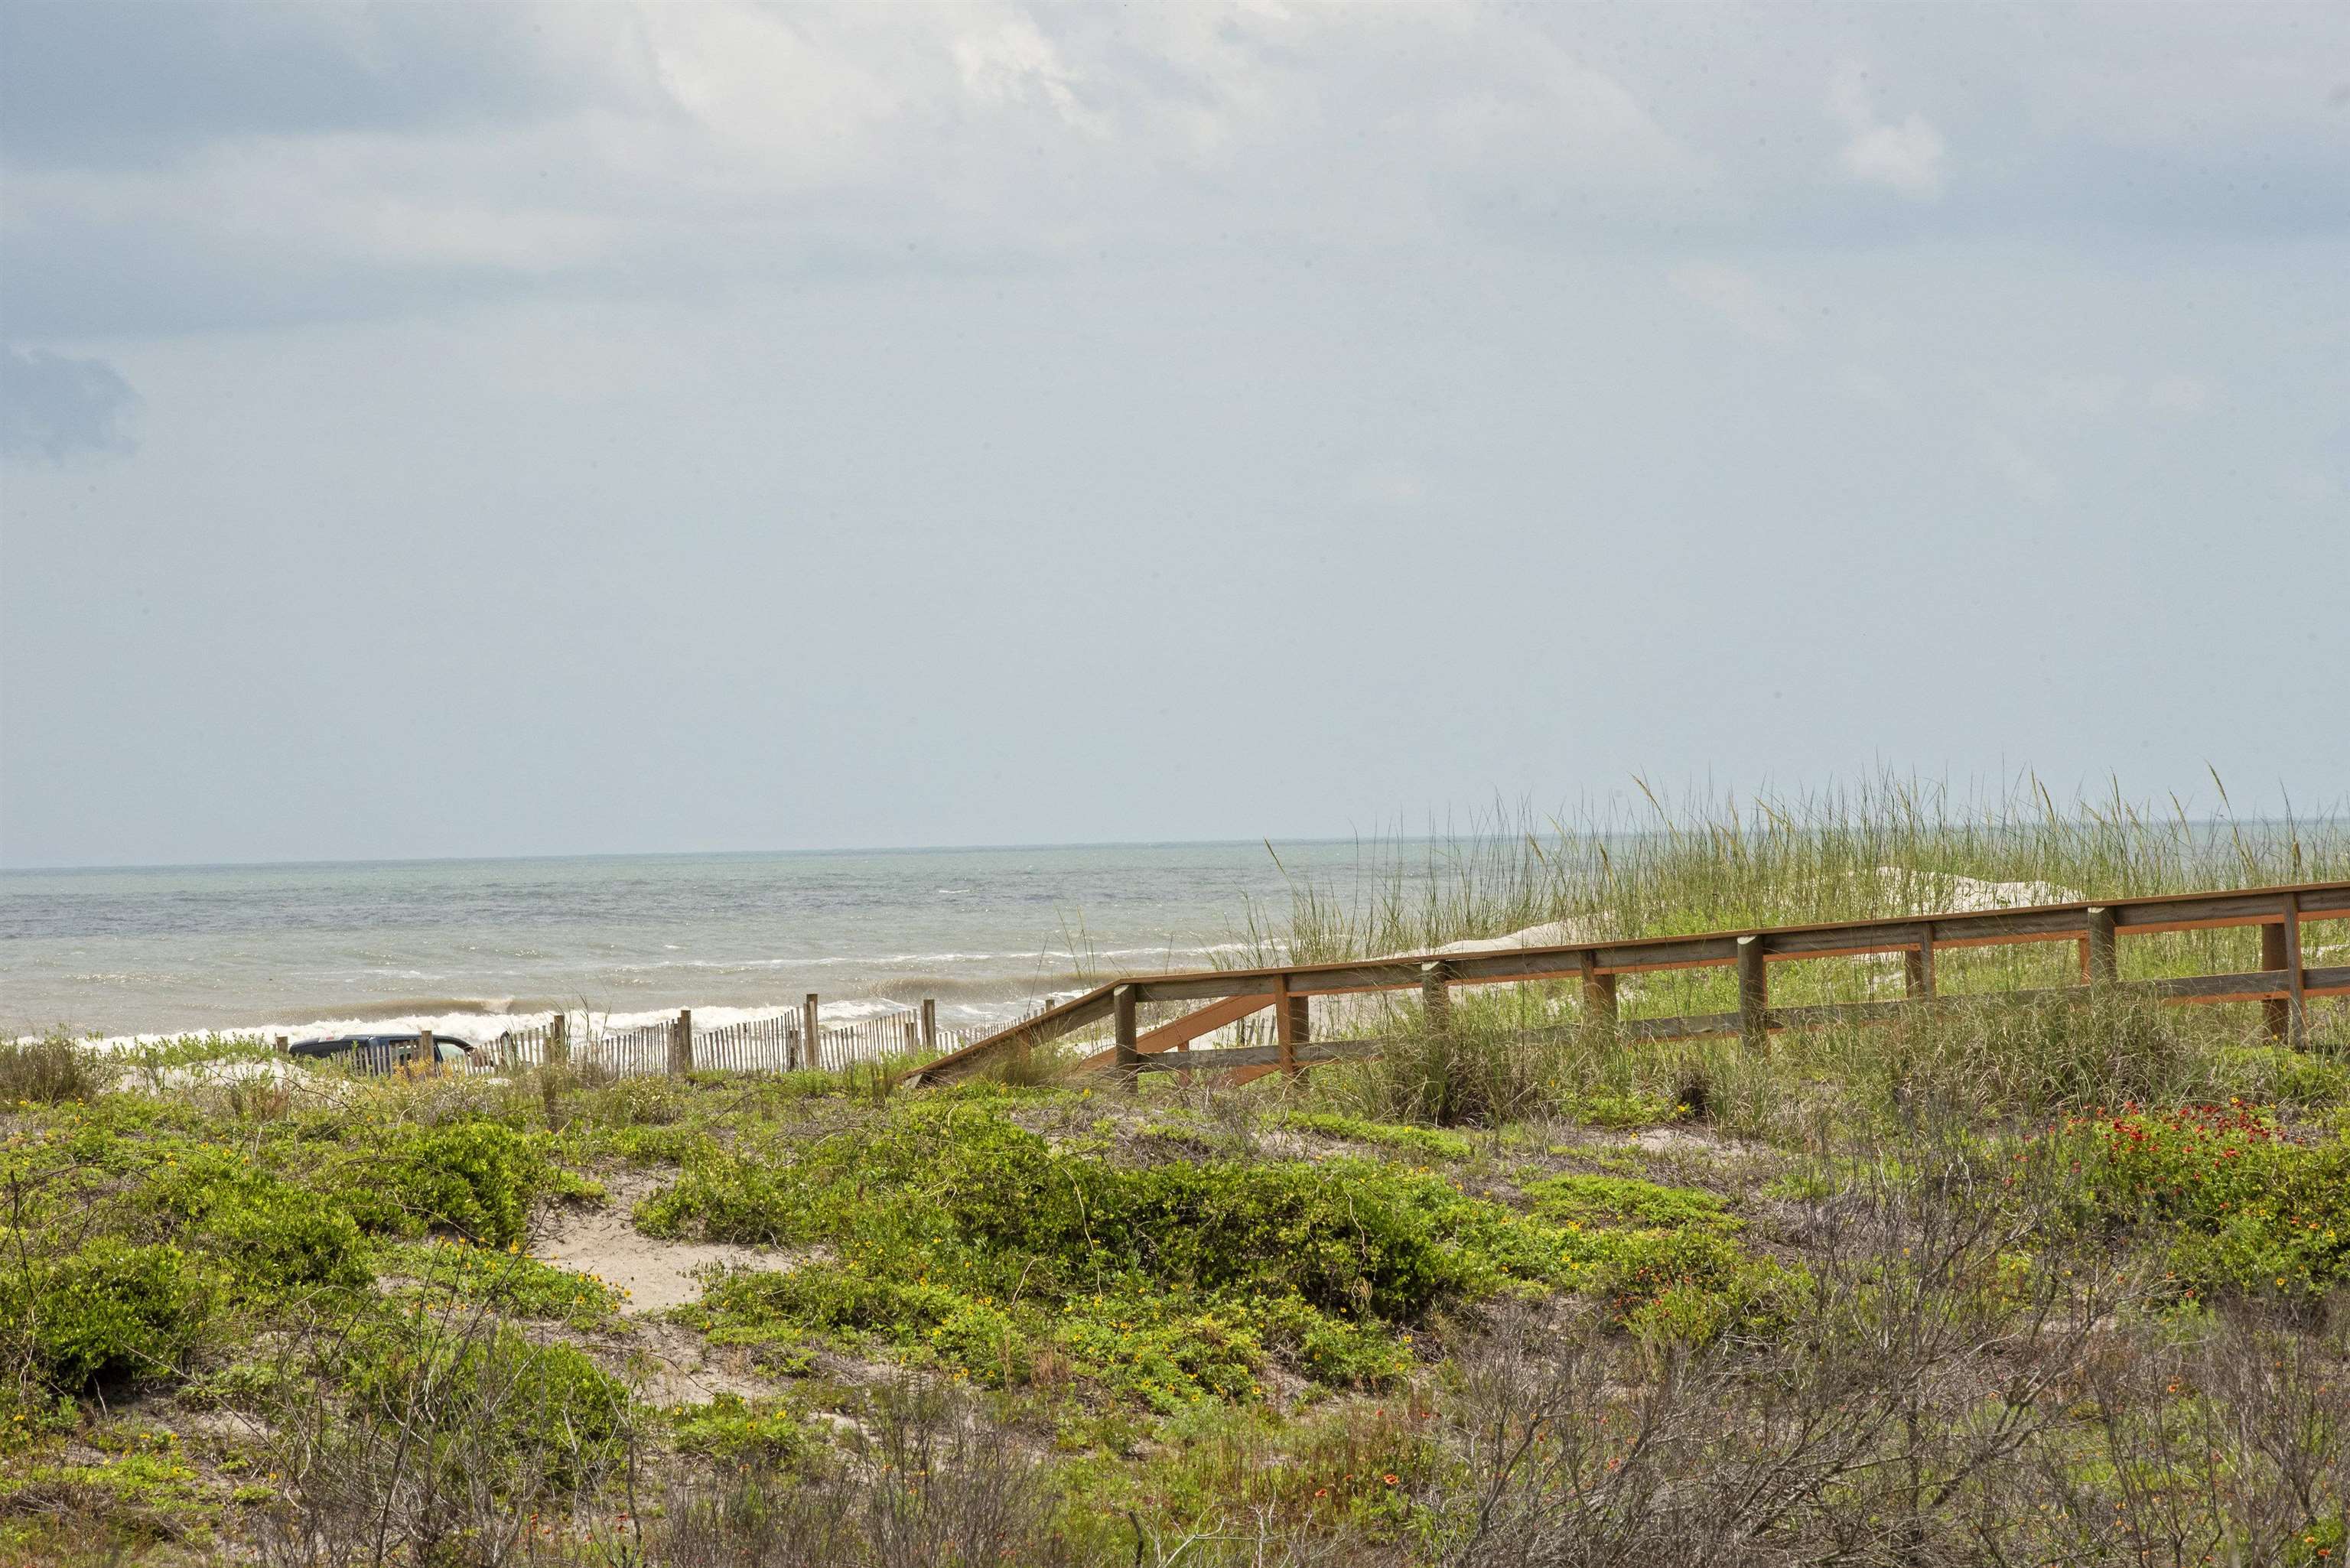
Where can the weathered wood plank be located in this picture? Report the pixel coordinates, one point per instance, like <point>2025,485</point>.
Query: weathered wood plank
<point>2296,1004</point>
<point>1753,994</point>
<point>1435,996</point>
<point>2101,961</point>
<point>1286,1035</point>
<point>1122,1011</point>
<point>2276,1014</point>
<point>1917,965</point>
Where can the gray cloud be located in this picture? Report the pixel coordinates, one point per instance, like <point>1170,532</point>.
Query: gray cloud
<point>54,407</point>
<point>95,84</point>
<point>177,167</point>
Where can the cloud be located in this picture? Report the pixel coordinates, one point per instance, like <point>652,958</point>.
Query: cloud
<point>1388,487</point>
<point>2032,479</point>
<point>1737,299</point>
<point>2080,397</point>
<point>2306,484</point>
<point>180,167</point>
<point>1873,387</point>
<point>96,84</point>
<point>53,407</point>
<point>1905,157</point>
<point>1008,62</point>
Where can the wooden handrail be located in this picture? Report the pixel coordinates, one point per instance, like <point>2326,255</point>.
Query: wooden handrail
<point>2095,924</point>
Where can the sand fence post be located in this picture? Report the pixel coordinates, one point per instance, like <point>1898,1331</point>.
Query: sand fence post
<point>1598,989</point>
<point>2285,1017</point>
<point>681,1042</point>
<point>1435,1000</point>
<point>1124,1016</point>
<point>930,1024</point>
<point>1917,966</point>
<point>1753,995</point>
<point>557,1052</point>
<point>1289,1023</point>
<point>2296,1005</point>
<point>2100,964</point>
<point>812,1049</point>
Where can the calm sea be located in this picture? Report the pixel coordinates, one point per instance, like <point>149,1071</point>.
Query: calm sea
<point>474,947</point>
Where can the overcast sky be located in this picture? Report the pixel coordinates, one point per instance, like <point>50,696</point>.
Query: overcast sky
<point>441,429</point>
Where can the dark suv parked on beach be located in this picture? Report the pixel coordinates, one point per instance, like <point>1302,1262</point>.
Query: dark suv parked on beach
<point>379,1054</point>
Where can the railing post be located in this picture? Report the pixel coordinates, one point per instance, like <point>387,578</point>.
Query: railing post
<point>1435,1000</point>
<point>2296,1005</point>
<point>281,1044</point>
<point>1289,1024</point>
<point>558,1042</point>
<point>2276,1013</point>
<point>1123,1018</point>
<point>680,1042</point>
<point>2100,964</point>
<point>427,1059</point>
<point>1598,989</point>
<point>1753,995</point>
<point>930,1024</point>
<point>1917,966</point>
<point>811,1045</point>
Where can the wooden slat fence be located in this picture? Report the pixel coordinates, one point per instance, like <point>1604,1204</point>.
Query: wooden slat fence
<point>2283,985</point>
<point>777,1044</point>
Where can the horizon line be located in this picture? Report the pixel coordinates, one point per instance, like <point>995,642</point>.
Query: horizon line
<point>9,869</point>
<point>378,861</point>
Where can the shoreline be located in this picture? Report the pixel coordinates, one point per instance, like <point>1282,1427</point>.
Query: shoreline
<point>479,1027</point>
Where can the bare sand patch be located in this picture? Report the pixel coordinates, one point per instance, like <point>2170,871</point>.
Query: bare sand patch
<point>656,1274</point>
<point>675,1368</point>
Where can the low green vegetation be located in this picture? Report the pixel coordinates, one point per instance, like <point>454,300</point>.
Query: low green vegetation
<point>2020,1281</point>
<point>1419,1142</point>
<point>955,1235</point>
<point>2244,1202</point>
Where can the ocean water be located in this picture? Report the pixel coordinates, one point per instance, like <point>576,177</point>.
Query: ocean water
<point>476,947</point>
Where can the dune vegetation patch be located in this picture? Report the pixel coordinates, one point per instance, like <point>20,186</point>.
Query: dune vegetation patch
<point>2015,1279</point>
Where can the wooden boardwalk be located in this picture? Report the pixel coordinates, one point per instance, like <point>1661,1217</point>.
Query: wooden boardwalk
<point>2282,983</point>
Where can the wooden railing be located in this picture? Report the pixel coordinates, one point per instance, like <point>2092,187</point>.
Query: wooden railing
<point>2282,983</point>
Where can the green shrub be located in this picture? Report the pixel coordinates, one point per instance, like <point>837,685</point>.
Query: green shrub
<point>735,1432</point>
<point>1164,1353</point>
<point>1169,1281</point>
<point>1604,1203</point>
<point>505,1281</point>
<point>1427,1143</point>
<point>2266,1074</point>
<point>269,1234</point>
<point>2246,1206</point>
<point>476,1178</point>
<point>487,1396</point>
<point>1335,1352</point>
<point>1662,1257</point>
<point>1607,1108</point>
<point>47,1072</point>
<point>112,1309</point>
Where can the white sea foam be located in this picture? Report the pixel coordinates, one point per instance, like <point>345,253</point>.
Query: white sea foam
<point>478,1028</point>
